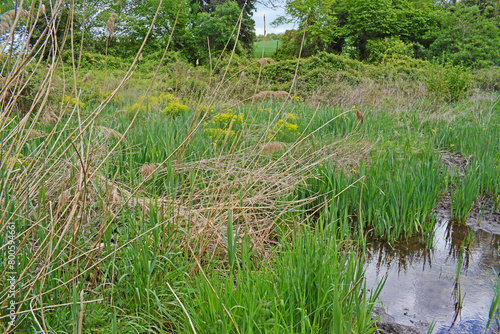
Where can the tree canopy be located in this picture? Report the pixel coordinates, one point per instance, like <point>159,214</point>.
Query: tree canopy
<point>463,31</point>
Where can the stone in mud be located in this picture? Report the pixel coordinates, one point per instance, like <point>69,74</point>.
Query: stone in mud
<point>386,324</point>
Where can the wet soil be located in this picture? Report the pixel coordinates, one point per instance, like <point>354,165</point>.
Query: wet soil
<point>421,286</point>
<point>482,215</point>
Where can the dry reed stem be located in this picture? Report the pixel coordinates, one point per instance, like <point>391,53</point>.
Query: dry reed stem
<point>110,25</point>
<point>147,170</point>
<point>255,191</point>
<point>27,189</point>
<point>272,147</point>
<point>86,78</point>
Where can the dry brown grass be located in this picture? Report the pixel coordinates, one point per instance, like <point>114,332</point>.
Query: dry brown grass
<point>10,86</point>
<point>280,94</point>
<point>147,170</point>
<point>34,134</point>
<point>265,61</point>
<point>272,147</point>
<point>48,117</point>
<point>110,25</point>
<point>110,133</point>
<point>8,18</point>
<point>397,95</point>
<point>86,78</point>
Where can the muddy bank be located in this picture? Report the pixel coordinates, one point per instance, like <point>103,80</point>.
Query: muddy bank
<point>421,286</point>
<point>482,216</point>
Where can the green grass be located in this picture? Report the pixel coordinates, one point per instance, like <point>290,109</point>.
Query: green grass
<point>270,48</point>
<point>218,202</point>
<point>313,286</point>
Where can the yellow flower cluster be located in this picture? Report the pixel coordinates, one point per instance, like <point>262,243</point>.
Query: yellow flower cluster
<point>285,129</point>
<point>296,99</point>
<point>175,108</point>
<point>188,101</point>
<point>167,103</point>
<point>12,161</point>
<point>204,108</point>
<point>267,109</point>
<point>223,120</point>
<point>224,125</point>
<point>73,102</point>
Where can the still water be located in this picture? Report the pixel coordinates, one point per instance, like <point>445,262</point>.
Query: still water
<point>421,285</point>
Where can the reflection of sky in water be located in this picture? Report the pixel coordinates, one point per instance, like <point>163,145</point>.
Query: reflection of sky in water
<point>420,283</point>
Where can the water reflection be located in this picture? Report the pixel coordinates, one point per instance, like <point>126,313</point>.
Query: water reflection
<point>421,284</point>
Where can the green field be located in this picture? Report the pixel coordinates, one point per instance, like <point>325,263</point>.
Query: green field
<point>271,46</point>
<point>155,200</point>
<point>182,199</point>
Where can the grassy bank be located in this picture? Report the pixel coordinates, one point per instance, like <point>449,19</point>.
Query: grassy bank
<point>174,198</point>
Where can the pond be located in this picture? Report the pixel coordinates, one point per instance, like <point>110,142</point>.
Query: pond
<point>421,286</point>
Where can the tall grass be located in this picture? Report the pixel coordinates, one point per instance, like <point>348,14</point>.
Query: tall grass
<point>314,284</point>
<point>110,218</point>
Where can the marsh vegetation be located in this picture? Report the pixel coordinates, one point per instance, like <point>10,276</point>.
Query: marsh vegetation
<point>144,194</point>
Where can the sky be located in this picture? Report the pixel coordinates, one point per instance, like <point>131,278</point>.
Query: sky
<point>271,14</point>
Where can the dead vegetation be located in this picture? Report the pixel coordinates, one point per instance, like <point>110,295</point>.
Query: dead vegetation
<point>265,61</point>
<point>8,18</point>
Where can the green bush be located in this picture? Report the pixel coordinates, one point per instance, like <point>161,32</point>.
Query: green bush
<point>448,83</point>
<point>285,129</point>
<point>224,126</point>
<point>387,49</point>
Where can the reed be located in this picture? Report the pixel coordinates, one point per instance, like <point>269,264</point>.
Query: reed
<point>314,284</point>
<point>258,227</point>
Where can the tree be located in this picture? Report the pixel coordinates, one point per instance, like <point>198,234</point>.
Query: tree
<point>247,31</point>
<point>216,29</point>
<point>466,36</point>
<point>333,25</point>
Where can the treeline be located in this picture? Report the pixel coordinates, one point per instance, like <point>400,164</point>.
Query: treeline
<point>464,32</point>
<point>200,29</point>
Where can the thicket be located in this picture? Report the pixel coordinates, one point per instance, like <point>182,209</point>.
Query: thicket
<point>147,201</point>
<point>463,33</point>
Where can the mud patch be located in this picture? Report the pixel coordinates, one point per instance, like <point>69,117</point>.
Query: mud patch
<point>455,162</point>
<point>386,324</point>
<point>482,215</point>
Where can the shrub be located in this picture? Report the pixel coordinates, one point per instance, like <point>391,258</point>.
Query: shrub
<point>449,82</point>
<point>116,98</point>
<point>285,129</point>
<point>73,101</point>
<point>224,125</point>
<point>167,103</point>
<point>389,49</point>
